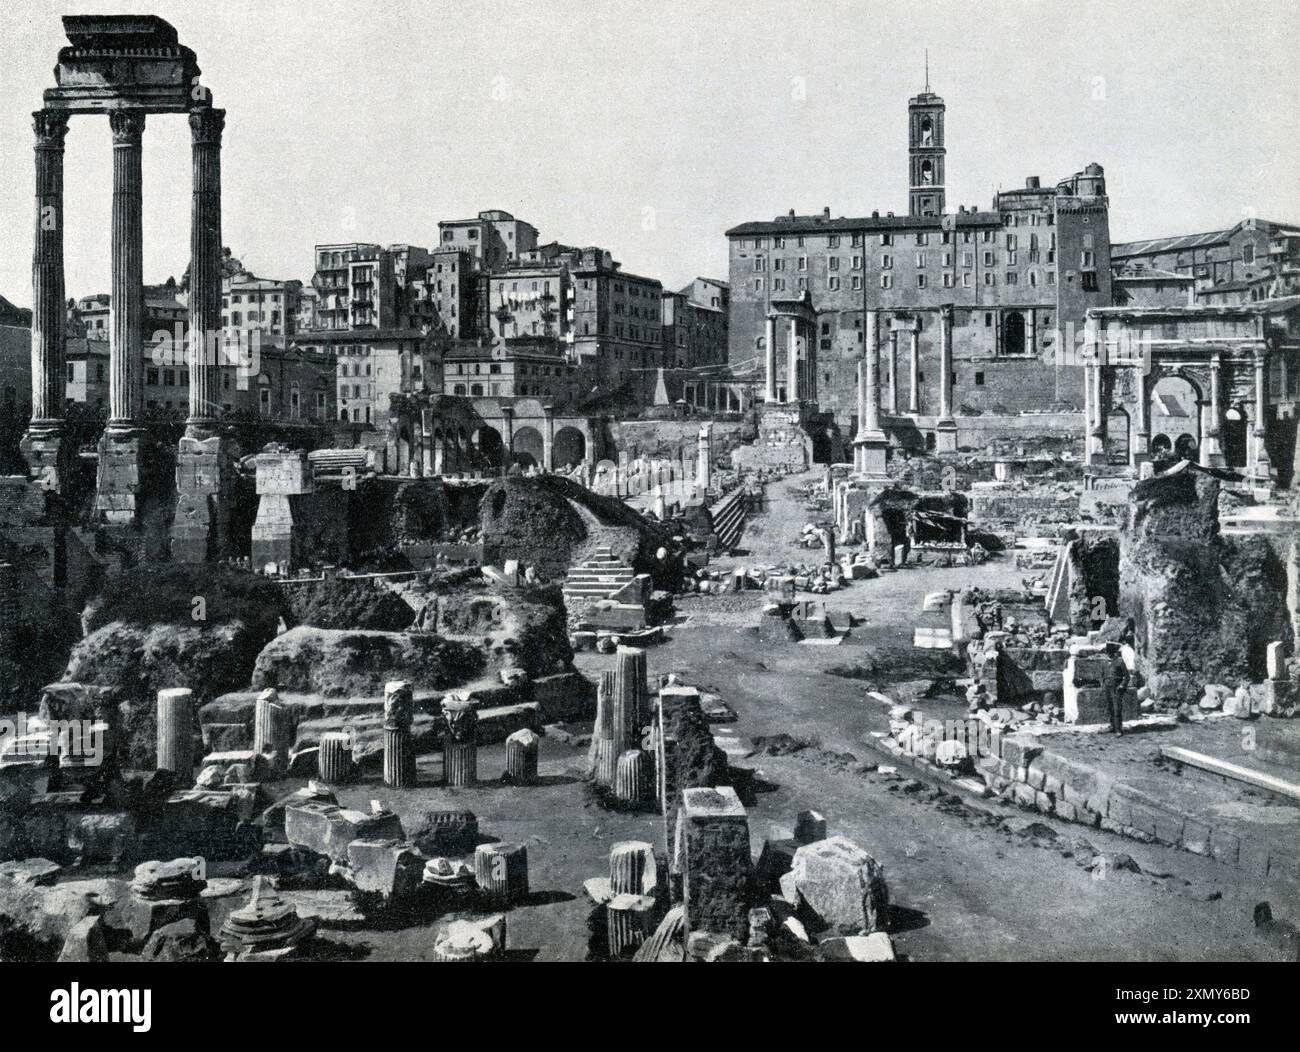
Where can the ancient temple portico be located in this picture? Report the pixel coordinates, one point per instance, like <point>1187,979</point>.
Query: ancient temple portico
<point>128,67</point>
<point>795,321</point>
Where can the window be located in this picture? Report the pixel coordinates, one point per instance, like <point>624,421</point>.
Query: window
<point>920,259</point>
<point>758,284</point>
<point>920,281</point>
<point>1089,279</point>
<point>947,279</point>
<point>886,281</point>
<point>803,261</point>
<point>922,238</point>
<point>834,284</point>
<point>832,262</point>
<point>1012,277</point>
<point>857,262</point>
<point>988,259</point>
<point>966,280</point>
<point>833,241</point>
<point>989,278</point>
<point>886,239</point>
<point>758,262</point>
<point>1011,259</point>
<point>857,282</point>
<point>886,262</point>
<point>778,264</point>
<point>979,379</point>
<point>1085,258</point>
<point>778,284</point>
<point>1248,253</point>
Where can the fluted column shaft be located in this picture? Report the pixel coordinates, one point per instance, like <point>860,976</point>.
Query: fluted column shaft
<point>893,372</point>
<point>205,269</point>
<point>126,307</point>
<point>769,361</point>
<point>792,363</point>
<point>914,372</point>
<point>945,364</point>
<point>49,313</point>
<point>548,439</point>
<point>872,412</point>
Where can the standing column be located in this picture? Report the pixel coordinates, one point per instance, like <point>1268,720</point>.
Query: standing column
<point>893,372</point>
<point>769,361</point>
<point>121,445</point>
<point>548,439</point>
<point>175,733</point>
<point>1211,453</point>
<point>1141,446</point>
<point>914,391</point>
<point>426,445</point>
<point>945,428</point>
<point>201,523</point>
<point>205,333</point>
<point>508,420</point>
<point>126,306</point>
<point>43,441</point>
<point>1262,474</point>
<point>631,700</point>
<point>460,744</point>
<point>792,363</point>
<point>399,750</point>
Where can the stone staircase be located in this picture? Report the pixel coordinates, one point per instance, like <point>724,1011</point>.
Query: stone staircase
<point>598,577</point>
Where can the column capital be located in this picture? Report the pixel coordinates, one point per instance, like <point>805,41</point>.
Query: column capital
<point>206,125</point>
<point>51,126</point>
<point>127,127</point>
<point>946,312</point>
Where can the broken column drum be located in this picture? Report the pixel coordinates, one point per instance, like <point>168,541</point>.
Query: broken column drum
<point>631,696</point>
<point>176,732</point>
<point>334,758</point>
<point>501,872</point>
<point>521,757</point>
<point>399,751</point>
<point>602,759</point>
<point>272,724</point>
<point>460,742</point>
<point>629,920</point>
<point>632,779</point>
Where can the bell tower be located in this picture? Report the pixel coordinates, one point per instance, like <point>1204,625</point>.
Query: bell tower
<point>925,152</point>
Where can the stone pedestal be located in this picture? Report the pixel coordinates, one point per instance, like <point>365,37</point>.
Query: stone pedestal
<point>203,478</point>
<point>945,436</point>
<point>501,872</point>
<point>49,459</point>
<point>118,482</point>
<point>521,757</point>
<point>334,759</point>
<point>713,851</point>
<point>399,758</point>
<point>176,733</point>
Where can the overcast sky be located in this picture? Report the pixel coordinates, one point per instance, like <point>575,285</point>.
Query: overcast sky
<point>650,128</point>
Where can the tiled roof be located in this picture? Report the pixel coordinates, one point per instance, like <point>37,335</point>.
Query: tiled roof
<point>816,224</point>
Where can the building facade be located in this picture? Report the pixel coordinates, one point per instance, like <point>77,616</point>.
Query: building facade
<point>1018,279</point>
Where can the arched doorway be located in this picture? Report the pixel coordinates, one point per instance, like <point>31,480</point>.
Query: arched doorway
<point>526,447</point>
<point>1175,413</point>
<point>1185,446</point>
<point>570,447</point>
<point>1013,333</point>
<point>1235,430</point>
<point>1117,437</point>
<point>491,449</point>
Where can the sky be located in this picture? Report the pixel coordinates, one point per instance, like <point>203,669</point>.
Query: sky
<point>650,128</point>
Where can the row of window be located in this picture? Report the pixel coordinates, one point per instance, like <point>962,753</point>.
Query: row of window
<point>921,237</point>
<point>949,280</point>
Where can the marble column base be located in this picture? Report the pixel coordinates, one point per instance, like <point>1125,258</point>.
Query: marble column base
<point>48,458</point>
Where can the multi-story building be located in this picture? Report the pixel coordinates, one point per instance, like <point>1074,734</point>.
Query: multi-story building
<point>165,311</point>
<point>616,319</point>
<point>1019,279</point>
<point>251,304</point>
<point>694,325</point>
<point>527,367</point>
<point>1256,259</point>
<point>374,321</point>
<point>494,238</point>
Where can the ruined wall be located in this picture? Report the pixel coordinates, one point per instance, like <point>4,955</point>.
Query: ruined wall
<point>1204,608</point>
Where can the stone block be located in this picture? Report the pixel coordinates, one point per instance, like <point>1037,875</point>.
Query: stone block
<point>1019,749</point>
<point>1196,837</point>
<point>327,829</point>
<point>717,867</point>
<point>389,868</point>
<point>842,887</point>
